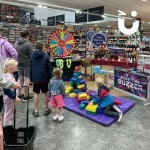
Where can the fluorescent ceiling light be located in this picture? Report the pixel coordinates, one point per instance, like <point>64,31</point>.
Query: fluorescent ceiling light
<point>44,6</point>
<point>40,6</point>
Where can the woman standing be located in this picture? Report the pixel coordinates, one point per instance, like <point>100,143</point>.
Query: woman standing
<point>6,49</point>
<point>24,48</point>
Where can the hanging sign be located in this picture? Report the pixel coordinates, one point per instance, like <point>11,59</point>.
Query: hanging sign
<point>81,17</point>
<point>51,21</point>
<point>98,39</point>
<point>96,10</point>
<point>60,19</point>
<point>89,35</point>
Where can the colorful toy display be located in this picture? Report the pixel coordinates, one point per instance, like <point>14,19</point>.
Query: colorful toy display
<point>78,87</point>
<point>61,43</point>
<point>91,103</point>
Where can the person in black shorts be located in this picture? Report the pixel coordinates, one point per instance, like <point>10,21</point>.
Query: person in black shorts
<point>40,74</point>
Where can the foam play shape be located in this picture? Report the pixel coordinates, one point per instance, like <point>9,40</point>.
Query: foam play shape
<point>74,79</point>
<point>82,96</point>
<point>68,89</point>
<point>72,95</point>
<point>82,81</point>
<point>88,97</point>
<point>72,105</point>
<point>91,108</point>
<point>85,103</point>
<point>81,86</point>
<point>82,106</point>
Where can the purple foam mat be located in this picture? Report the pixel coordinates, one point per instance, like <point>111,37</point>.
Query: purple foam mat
<point>72,105</point>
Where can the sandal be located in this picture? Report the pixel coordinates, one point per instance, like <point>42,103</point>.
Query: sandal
<point>47,112</point>
<point>35,114</point>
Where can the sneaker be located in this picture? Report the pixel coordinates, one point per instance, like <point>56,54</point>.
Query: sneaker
<point>25,99</point>
<point>20,96</point>
<point>46,113</point>
<point>35,114</point>
<point>60,118</point>
<point>55,117</point>
<point>120,117</point>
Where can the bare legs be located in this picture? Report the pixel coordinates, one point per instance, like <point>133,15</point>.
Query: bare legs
<point>36,101</point>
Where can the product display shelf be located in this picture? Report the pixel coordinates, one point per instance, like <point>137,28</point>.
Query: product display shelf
<point>80,38</point>
<point>44,32</point>
<point>12,32</point>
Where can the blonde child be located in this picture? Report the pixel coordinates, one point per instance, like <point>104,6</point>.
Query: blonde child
<point>9,96</point>
<point>57,93</point>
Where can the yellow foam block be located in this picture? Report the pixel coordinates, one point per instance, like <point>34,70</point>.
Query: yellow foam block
<point>80,86</point>
<point>83,95</point>
<point>88,97</point>
<point>68,89</point>
<point>91,108</point>
<point>72,95</point>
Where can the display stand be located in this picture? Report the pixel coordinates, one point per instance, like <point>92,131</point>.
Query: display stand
<point>67,72</point>
<point>136,84</point>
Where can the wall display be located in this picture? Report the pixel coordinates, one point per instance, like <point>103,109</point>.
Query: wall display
<point>51,21</point>
<point>9,13</point>
<point>98,39</point>
<point>61,43</point>
<point>133,83</point>
<point>96,10</point>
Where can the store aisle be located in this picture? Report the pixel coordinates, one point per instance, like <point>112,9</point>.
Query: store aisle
<point>79,133</point>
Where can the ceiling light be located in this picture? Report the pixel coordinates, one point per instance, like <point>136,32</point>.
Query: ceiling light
<point>133,13</point>
<point>40,6</point>
<point>104,16</point>
<point>95,25</point>
<point>143,21</point>
<point>44,6</point>
<point>144,0</point>
<point>108,26</point>
<point>148,22</point>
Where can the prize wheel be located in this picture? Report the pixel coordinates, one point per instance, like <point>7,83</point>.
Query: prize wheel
<point>61,43</point>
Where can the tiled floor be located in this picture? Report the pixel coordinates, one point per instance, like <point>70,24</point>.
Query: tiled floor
<point>79,133</point>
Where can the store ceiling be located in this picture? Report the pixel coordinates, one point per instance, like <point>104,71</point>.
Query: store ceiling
<point>111,6</point>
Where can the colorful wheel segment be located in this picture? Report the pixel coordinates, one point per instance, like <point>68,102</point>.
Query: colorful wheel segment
<point>61,43</point>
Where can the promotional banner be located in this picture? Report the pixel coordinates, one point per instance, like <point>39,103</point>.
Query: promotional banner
<point>98,39</point>
<point>89,35</point>
<point>132,83</point>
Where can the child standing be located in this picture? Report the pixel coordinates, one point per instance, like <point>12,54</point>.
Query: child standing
<point>57,93</point>
<point>40,74</point>
<point>106,101</point>
<point>9,96</point>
